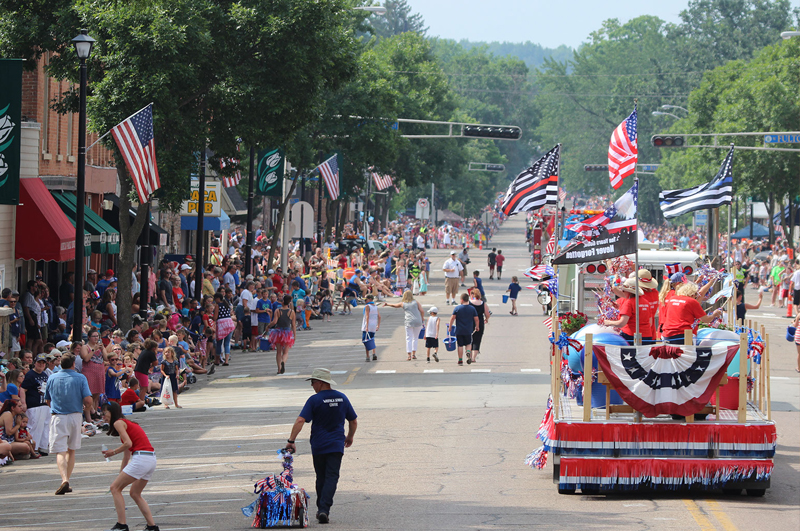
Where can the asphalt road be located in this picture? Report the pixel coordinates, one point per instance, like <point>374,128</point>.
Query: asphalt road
<point>438,446</point>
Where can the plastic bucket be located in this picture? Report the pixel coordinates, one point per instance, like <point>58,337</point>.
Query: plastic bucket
<point>790,331</point>
<point>263,344</point>
<point>505,299</point>
<point>728,394</point>
<point>422,333</point>
<point>450,343</point>
<point>369,344</point>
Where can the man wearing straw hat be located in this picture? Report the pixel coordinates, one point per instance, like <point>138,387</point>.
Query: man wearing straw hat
<point>326,410</point>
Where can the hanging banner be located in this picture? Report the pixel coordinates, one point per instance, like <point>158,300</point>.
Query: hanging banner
<point>10,118</point>
<point>269,172</point>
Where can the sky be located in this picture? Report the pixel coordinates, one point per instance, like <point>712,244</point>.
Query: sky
<point>549,23</point>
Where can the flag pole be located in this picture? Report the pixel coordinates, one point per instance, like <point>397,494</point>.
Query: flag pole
<point>637,339</point>
<point>732,270</point>
<point>556,326</point>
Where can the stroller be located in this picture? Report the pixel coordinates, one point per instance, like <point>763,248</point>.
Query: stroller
<point>280,502</point>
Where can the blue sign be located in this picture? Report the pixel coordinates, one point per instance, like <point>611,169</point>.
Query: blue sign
<point>782,139</point>
<point>647,167</point>
<point>701,218</point>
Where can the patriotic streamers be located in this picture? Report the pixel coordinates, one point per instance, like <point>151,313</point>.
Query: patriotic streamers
<point>622,266</point>
<point>606,304</point>
<point>280,501</point>
<point>538,458</point>
<point>669,474</point>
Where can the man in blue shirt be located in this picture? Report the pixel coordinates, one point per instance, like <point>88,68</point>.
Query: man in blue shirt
<point>326,410</point>
<point>35,383</point>
<point>264,311</point>
<point>466,318</point>
<point>67,394</point>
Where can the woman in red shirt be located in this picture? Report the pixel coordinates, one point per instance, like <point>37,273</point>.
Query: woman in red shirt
<point>682,311</point>
<point>138,465</point>
<point>628,313</point>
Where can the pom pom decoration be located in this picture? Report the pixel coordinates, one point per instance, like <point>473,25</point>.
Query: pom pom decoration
<point>622,266</point>
<point>280,502</point>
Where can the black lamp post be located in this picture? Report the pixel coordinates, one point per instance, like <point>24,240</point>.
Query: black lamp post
<point>83,48</point>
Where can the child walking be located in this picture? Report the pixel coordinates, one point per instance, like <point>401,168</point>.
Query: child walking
<point>370,324</point>
<point>513,290</point>
<point>432,334</point>
<point>326,306</point>
<point>169,367</point>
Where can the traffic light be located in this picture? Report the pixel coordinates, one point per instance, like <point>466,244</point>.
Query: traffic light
<point>666,141</point>
<point>492,131</point>
<point>595,167</point>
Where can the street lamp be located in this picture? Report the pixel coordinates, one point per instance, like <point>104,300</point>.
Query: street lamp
<point>674,107</point>
<point>790,34</point>
<point>83,48</point>
<point>377,10</point>
<point>659,113</point>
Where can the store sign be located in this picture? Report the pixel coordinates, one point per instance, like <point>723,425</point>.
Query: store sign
<point>10,118</point>
<point>212,205</point>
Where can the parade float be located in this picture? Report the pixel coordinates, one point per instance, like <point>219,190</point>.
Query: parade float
<point>657,416</point>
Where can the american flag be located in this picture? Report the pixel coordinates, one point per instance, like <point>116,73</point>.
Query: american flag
<point>622,151</point>
<point>562,194</point>
<point>550,248</point>
<point>330,173</point>
<point>672,268</point>
<point>230,180</point>
<point>549,323</point>
<point>382,181</point>
<point>535,187</point>
<point>620,215</point>
<point>134,138</point>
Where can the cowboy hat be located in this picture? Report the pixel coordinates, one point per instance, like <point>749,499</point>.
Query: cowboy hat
<point>646,279</point>
<point>629,286</point>
<point>323,375</point>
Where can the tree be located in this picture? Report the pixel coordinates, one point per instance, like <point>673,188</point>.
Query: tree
<point>215,70</point>
<point>398,19</point>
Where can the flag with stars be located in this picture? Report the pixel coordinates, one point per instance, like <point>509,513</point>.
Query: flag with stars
<point>713,194</point>
<point>606,235</point>
<point>535,187</point>
<point>623,151</point>
<point>135,140</point>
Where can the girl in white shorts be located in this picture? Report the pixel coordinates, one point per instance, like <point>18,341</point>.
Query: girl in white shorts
<point>138,465</point>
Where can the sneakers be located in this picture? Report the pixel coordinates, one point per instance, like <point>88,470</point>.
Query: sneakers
<point>119,527</point>
<point>323,518</point>
<point>436,357</point>
<point>212,370</point>
<point>151,528</point>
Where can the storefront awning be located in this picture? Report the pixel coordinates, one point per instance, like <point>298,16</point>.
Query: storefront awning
<point>98,236</point>
<point>158,236</point>
<point>107,232</point>
<point>223,222</point>
<point>43,231</point>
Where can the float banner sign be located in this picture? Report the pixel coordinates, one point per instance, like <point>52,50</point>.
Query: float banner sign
<point>269,172</point>
<point>10,118</point>
<point>605,245</point>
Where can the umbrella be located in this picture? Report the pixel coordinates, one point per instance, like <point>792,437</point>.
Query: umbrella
<point>759,231</point>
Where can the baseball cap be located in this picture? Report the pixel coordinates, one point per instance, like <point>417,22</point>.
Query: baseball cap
<point>271,272</point>
<point>91,272</point>
<point>433,309</point>
<point>41,357</point>
<point>109,272</point>
<point>677,278</point>
<point>452,252</point>
<point>184,267</point>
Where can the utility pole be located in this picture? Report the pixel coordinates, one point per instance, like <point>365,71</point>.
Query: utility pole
<point>248,246</point>
<point>201,208</point>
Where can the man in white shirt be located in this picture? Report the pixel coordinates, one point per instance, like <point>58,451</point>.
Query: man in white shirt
<point>796,286</point>
<point>452,273</point>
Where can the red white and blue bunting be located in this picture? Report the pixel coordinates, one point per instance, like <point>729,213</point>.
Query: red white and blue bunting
<point>665,379</point>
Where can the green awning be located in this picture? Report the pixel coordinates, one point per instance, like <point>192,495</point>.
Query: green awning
<point>112,234</point>
<point>97,238</point>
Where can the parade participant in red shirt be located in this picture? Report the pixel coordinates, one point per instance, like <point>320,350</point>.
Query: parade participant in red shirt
<point>682,311</point>
<point>629,313</point>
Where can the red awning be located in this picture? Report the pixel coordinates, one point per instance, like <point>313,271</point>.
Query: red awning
<point>43,231</point>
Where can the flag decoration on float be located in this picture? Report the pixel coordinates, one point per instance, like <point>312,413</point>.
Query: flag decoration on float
<point>535,187</point>
<point>712,194</point>
<point>623,151</point>
<point>665,379</point>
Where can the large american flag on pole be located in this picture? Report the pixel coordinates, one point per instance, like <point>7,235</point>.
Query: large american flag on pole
<point>382,182</point>
<point>330,174</point>
<point>550,248</point>
<point>135,140</point>
<point>621,215</point>
<point>535,187</point>
<point>623,151</point>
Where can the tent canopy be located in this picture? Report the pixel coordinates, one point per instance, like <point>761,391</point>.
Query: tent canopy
<point>759,231</point>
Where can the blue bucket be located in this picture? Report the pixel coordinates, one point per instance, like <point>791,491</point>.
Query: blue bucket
<point>790,331</point>
<point>450,343</point>
<point>505,299</point>
<point>264,344</point>
<point>422,333</point>
<point>369,344</point>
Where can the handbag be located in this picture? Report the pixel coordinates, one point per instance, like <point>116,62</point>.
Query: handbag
<point>166,393</point>
<point>416,287</point>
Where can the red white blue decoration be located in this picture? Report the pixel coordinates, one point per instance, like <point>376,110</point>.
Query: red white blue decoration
<point>665,379</point>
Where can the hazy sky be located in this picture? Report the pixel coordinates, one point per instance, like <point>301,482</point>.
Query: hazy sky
<point>550,23</point>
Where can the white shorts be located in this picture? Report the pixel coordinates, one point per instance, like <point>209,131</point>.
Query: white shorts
<point>65,432</point>
<point>141,466</point>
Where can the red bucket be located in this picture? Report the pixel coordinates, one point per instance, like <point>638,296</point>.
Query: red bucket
<point>728,394</point>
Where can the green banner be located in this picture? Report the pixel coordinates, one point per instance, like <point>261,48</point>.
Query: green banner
<point>269,172</point>
<point>10,118</point>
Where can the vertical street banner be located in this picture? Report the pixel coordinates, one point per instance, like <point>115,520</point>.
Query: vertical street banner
<point>269,172</point>
<point>10,118</point>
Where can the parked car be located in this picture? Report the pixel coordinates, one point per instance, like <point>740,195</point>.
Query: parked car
<point>353,245</point>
